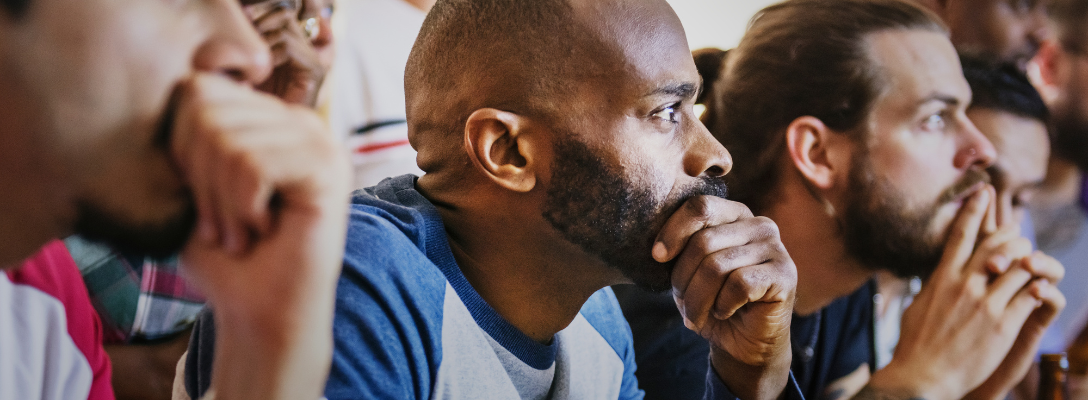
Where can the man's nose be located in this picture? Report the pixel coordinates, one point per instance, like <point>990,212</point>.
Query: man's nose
<point>974,149</point>
<point>233,47</point>
<point>706,157</point>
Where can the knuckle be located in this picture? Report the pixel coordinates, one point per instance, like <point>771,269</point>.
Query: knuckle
<point>701,242</point>
<point>1020,246</point>
<point>713,267</point>
<point>767,226</point>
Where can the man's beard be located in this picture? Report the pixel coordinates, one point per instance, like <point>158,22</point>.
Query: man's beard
<point>883,234</point>
<point>1071,131</point>
<point>592,205</point>
<point>158,239</point>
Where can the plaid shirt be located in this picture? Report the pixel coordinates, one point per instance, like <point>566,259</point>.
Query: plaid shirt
<point>137,299</point>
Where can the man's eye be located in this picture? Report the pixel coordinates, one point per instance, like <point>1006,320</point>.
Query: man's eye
<point>934,122</point>
<point>668,114</point>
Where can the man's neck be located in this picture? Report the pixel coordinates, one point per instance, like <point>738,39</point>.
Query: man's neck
<point>825,271</point>
<point>1062,187</point>
<point>521,267</point>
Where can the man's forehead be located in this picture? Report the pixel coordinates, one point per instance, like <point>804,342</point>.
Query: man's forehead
<point>918,63</point>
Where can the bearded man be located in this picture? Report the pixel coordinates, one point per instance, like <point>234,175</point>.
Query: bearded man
<point>562,156</point>
<point>848,124</point>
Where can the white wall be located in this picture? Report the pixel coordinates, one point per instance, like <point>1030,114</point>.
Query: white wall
<point>716,23</point>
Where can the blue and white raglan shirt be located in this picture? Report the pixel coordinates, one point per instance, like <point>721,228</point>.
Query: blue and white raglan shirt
<point>410,326</point>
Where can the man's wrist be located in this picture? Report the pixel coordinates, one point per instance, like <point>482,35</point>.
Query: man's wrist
<point>898,382</point>
<point>747,381</point>
<point>292,352</point>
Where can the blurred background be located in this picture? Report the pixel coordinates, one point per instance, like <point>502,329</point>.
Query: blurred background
<point>716,23</point>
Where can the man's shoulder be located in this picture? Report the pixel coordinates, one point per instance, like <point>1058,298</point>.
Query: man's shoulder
<point>390,297</point>
<point>602,311</point>
<point>393,229</point>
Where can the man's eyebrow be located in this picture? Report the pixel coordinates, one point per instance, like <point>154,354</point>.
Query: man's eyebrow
<point>683,90</point>
<point>941,97</point>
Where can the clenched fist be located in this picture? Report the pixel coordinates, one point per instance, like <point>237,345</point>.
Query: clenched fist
<point>734,283</point>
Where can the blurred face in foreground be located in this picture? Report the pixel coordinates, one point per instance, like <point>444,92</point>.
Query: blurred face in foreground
<point>87,88</point>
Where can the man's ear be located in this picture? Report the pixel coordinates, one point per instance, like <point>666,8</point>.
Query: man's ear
<point>497,144</point>
<point>1050,60</point>
<point>808,141</point>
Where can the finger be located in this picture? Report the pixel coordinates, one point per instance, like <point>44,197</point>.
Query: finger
<point>1006,286</point>
<point>190,152</point>
<point>235,236</point>
<point>1045,267</point>
<point>289,47</point>
<point>1005,214</point>
<point>694,215</point>
<point>999,251</point>
<point>276,18</point>
<point>989,224</point>
<point>1022,306</point>
<point>249,203</point>
<point>712,275</point>
<point>758,284</point>
<point>714,239</point>
<point>963,234</point>
<point>1053,301</point>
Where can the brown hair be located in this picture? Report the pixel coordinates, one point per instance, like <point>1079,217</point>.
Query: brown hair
<point>799,58</point>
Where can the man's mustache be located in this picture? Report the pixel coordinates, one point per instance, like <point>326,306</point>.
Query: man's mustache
<point>972,178</point>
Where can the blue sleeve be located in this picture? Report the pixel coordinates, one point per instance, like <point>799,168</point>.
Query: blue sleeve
<point>388,325</point>
<point>716,390</point>
<point>602,310</point>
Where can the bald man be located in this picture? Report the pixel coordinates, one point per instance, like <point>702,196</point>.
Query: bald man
<point>562,156</point>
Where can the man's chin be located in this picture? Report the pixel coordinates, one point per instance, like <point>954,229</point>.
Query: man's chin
<point>156,239</point>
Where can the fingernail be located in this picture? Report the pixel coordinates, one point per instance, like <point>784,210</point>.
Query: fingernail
<point>660,252</point>
<point>1000,263</point>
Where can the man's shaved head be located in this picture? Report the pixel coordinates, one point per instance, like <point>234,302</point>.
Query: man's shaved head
<point>526,57</point>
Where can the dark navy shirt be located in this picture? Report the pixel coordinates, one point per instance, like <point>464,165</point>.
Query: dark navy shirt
<point>828,346</point>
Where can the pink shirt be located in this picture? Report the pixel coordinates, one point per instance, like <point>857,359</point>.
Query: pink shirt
<point>50,335</point>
